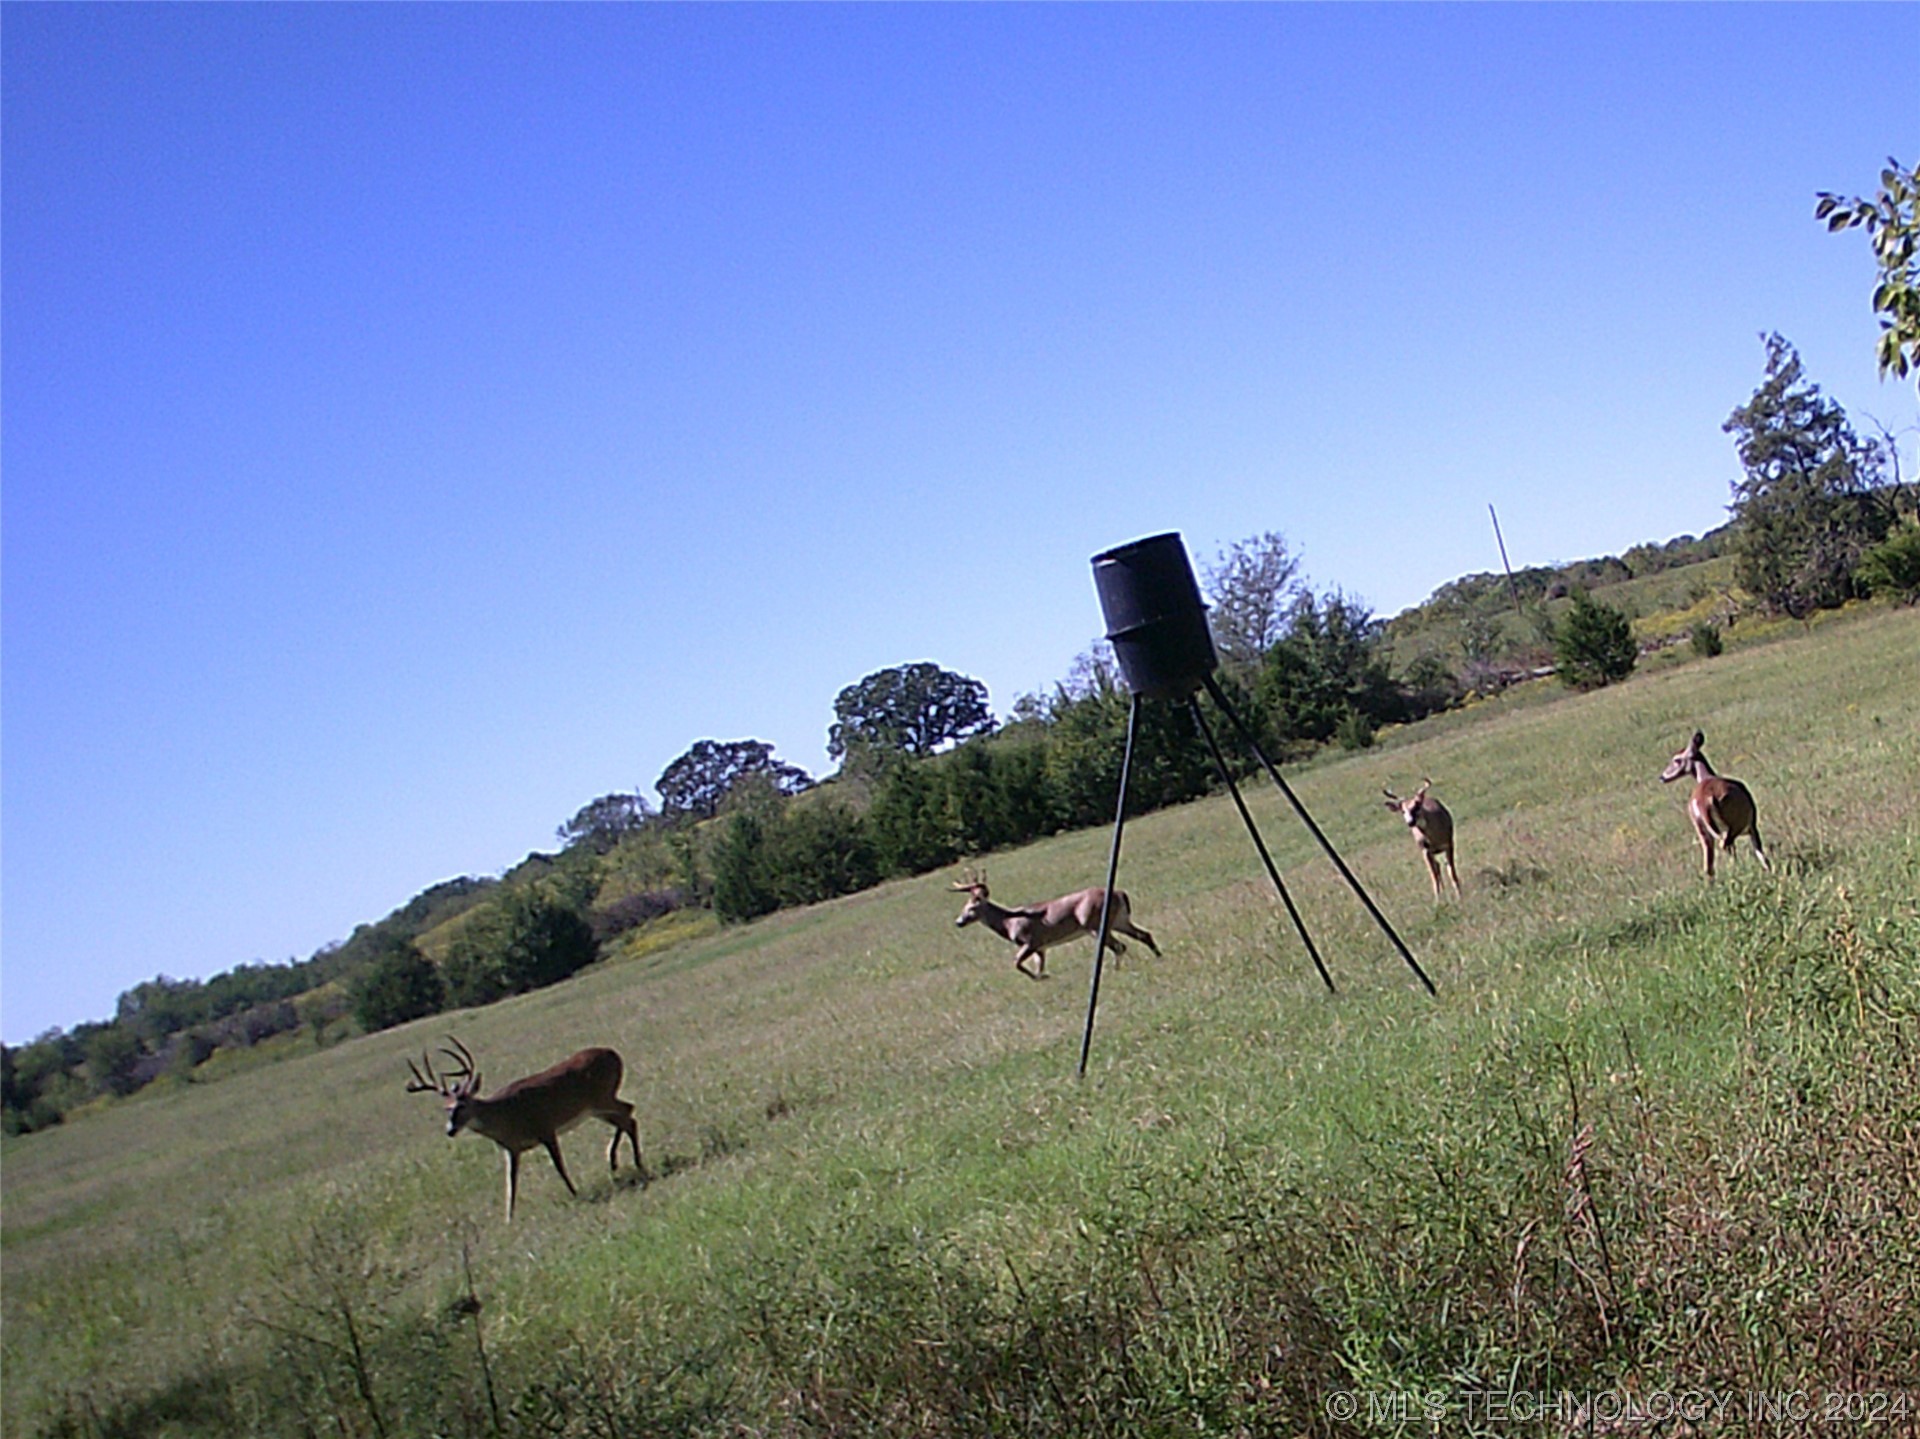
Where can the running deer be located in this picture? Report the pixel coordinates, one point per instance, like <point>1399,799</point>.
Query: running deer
<point>534,1110</point>
<point>1432,830</point>
<point>1721,809</point>
<point>1037,928</point>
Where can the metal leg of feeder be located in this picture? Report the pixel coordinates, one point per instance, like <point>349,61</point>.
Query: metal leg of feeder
<point>1113,873</point>
<point>1246,818</point>
<point>1333,854</point>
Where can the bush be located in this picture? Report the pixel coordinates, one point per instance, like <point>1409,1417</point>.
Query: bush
<point>1706,640</point>
<point>1355,731</point>
<point>743,878</point>
<point>1593,645</point>
<point>608,921</point>
<point>1892,567</point>
<point>401,984</point>
<point>525,939</point>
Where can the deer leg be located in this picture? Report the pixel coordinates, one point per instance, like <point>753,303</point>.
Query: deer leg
<point>1753,833</point>
<point>553,1149</point>
<point>1116,947</point>
<point>1706,848</point>
<point>1453,874</point>
<point>1139,934</point>
<point>1433,869</point>
<point>1040,969</point>
<point>513,1181</point>
<point>633,1139</point>
<point>623,1123</point>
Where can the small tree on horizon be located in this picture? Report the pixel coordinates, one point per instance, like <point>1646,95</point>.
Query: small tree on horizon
<point>1594,645</point>
<point>1813,498</point>
<point>1252,584</point>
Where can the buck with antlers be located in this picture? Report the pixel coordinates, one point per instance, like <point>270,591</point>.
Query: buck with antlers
<point>1721,809</point>
<point>1432,830</point>
<point>1037,928</point>
<point>534,1110</point>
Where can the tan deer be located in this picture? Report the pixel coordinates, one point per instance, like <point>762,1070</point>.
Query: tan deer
<point>1721,809</point>
<point>534,1110</point>
<point>1432,830</point>
<point>1037,928</point>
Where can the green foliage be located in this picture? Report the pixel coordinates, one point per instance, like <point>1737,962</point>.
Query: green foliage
<point>1892,223</point>
<point>1594,645</point>
<point>1355,731</point>
<point>1892,567</point>
<point>526,938</point>
<point>1249,586</point>
<point>1705,640</point>
<point>43,1082</point>
<point>1812,501</point>
<point>401,984</point>
<point>1327,678</point>
<point>819,852</point>
<point>113,1050</point>
<point>913,709</point>
<point>603,823</point>
<point>697,784</point>
<point>743,871</point>
<point>907,822</point>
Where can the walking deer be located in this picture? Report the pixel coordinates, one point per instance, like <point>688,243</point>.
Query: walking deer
<point>1432,830</point>
<point>1037,928</point>
<point>534,1110</point>
<point>1721,809</point>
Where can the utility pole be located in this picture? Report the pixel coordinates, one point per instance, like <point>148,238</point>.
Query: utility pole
<point>1512,588</point>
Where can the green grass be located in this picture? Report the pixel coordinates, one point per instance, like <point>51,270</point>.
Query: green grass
<point>1652,1133</point>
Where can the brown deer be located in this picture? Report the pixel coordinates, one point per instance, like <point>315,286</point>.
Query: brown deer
<point>1037,928</point>
<point>534,1110</point>
<point>1721,809</point>
<point>1432,830</point>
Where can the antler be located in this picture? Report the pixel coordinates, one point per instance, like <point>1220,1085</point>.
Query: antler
<point>428,1083</point>
<point>468,1073</point>
<point>974,881</point>
<point>464,1079</point>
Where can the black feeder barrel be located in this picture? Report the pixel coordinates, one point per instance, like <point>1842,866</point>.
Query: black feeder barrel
<point>1155,617</point>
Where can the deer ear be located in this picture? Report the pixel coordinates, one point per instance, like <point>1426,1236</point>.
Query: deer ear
<point>1699,738</point>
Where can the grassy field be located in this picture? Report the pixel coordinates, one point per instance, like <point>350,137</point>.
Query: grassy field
<point>1653,1134</point>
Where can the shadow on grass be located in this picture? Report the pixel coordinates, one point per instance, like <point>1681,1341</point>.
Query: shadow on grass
<point>194,1404</point>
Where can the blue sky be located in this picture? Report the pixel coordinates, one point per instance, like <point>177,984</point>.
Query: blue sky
<point>420,420</point>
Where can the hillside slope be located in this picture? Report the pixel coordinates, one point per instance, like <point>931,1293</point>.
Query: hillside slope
<point>882,1203</point>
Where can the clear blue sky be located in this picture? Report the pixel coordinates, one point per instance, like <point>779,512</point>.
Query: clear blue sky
<point>420,420</point>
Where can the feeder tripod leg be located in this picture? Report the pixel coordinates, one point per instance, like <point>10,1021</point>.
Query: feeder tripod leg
<point>1113,873</point>
<point>1333,854</point>
<point>1246,818</point>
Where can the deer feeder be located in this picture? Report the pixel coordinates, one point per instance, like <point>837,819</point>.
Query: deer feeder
<point>1157,624</point>
<point>1155,618</point>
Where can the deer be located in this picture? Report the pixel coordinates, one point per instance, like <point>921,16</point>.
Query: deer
<point>1037,928</point>
<point>1432,828</point>
<point>534,1110</point>
<point>1721,809</point>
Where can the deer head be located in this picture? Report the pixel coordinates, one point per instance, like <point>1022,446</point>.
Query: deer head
<point>975,889</point>
<point>458,1087</point>
<point>1683,763</point>
<point>1409,808</point>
